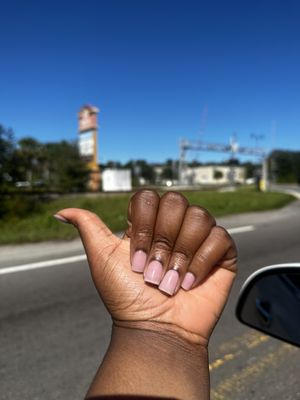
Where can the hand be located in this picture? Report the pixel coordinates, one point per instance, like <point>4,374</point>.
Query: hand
<point>176,246</point>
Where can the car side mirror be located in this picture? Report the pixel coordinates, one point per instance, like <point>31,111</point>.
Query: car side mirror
<point>270,302</point>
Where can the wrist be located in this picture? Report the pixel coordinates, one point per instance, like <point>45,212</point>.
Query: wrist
<point>149,361</point>
<point>190,339</point>
<point>159,336</point>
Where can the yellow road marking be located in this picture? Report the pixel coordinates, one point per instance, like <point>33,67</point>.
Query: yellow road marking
<point>236,382</point>
<point>221,361</point>
<point>247,341</point>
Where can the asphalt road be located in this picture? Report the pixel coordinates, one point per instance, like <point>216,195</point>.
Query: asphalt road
<point>54,329</point>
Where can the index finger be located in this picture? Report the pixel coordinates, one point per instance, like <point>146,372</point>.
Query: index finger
<point>142,213</point>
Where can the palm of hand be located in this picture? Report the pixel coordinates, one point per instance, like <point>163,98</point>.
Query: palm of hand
<point>191,314</point>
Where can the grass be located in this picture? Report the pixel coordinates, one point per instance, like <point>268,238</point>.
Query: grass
<point>220,204</point>
<point>41,225</point>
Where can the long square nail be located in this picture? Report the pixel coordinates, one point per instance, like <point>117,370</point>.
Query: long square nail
<point>153,272</point>
<point>139,261</point>
<point>169,282</point>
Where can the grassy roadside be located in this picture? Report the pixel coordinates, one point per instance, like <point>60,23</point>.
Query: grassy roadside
<point>42,226</point>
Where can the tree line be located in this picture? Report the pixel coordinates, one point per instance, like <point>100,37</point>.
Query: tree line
<point>30,164</point>
<point>285,166</point>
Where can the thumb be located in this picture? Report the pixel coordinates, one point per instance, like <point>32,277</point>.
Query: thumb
<point>99,242</point>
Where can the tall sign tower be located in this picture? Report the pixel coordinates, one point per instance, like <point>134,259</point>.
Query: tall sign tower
<point>88,135</point>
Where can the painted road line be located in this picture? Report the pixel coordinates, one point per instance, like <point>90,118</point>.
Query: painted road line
<point>42,264</point>
<point>81,257</point>
<point>236,347</point>
<point>239,383</point>
<point>241,229</point>
<point>248,340</point>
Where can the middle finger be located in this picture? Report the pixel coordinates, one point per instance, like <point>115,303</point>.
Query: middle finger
<point>169,219</point>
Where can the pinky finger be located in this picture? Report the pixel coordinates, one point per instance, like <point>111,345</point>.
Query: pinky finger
<point>218,249</point>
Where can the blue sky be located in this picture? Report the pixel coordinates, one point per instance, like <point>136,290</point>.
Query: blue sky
<point>159,71</point>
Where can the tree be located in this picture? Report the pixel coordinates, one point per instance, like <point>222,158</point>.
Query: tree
<point>233,162</point>
<point>28,157</point>
<point>65,169</point>
<point>286,165</point>
<point>57,166</point>
<point>113,164</point>
<point>170,170</point>
<point>218,174</point>
<point>141,169</point>
<point>195,163</point>
<point>251,169</point>
<point>7,146</point>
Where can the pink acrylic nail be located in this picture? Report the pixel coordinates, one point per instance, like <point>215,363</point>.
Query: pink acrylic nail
<point>153,272</point>
<point>139,261</point>
<point>61,219</point>
<point>169,282</point>
<point>188,281</point>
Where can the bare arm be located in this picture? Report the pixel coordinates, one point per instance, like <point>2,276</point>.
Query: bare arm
<point>165,285</point>
<point>152,363</point>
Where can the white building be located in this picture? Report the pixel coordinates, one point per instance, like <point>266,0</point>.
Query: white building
<point>116,180</point>
<point>214,174</point>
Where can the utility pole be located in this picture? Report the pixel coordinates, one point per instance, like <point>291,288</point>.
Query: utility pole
<point>182,164</point>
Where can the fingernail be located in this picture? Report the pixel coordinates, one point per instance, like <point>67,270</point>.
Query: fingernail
<point>188,281</point>
<point>169,283</point>
<point>139,261</point>
<point>62,219</point>
<point>153,272</point>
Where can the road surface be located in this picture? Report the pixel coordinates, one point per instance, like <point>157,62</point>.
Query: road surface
<point>54,329</point>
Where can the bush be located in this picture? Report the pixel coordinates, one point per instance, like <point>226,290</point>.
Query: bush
<point>19,206</point>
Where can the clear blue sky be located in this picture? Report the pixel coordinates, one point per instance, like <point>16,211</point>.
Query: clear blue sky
<point>158,70</point>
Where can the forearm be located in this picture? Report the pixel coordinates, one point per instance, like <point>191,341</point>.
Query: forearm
<point>152,363</point>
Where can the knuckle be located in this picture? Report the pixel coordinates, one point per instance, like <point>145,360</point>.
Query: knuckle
<point>222,234</point>
<point>201,258</point>
<point>175,199</point>
<point>150,197</point>
<point>163,242</point>
<point>144,232</point>
<point>181,256</point>
<point>202,215</point>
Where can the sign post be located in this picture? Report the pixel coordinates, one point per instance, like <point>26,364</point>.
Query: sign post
<point>88,134</point>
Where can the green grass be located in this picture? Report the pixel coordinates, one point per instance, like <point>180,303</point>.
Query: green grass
<point>113,208</point>
<point>244,200</point>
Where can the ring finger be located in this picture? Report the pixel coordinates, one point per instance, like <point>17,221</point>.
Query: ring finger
<point>196,227</point>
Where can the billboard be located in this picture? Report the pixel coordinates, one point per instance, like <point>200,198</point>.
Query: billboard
<point>86,144</point>
<point>87,118</point>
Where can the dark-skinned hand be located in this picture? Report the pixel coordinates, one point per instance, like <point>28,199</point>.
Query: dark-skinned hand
<point>172,270</point>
